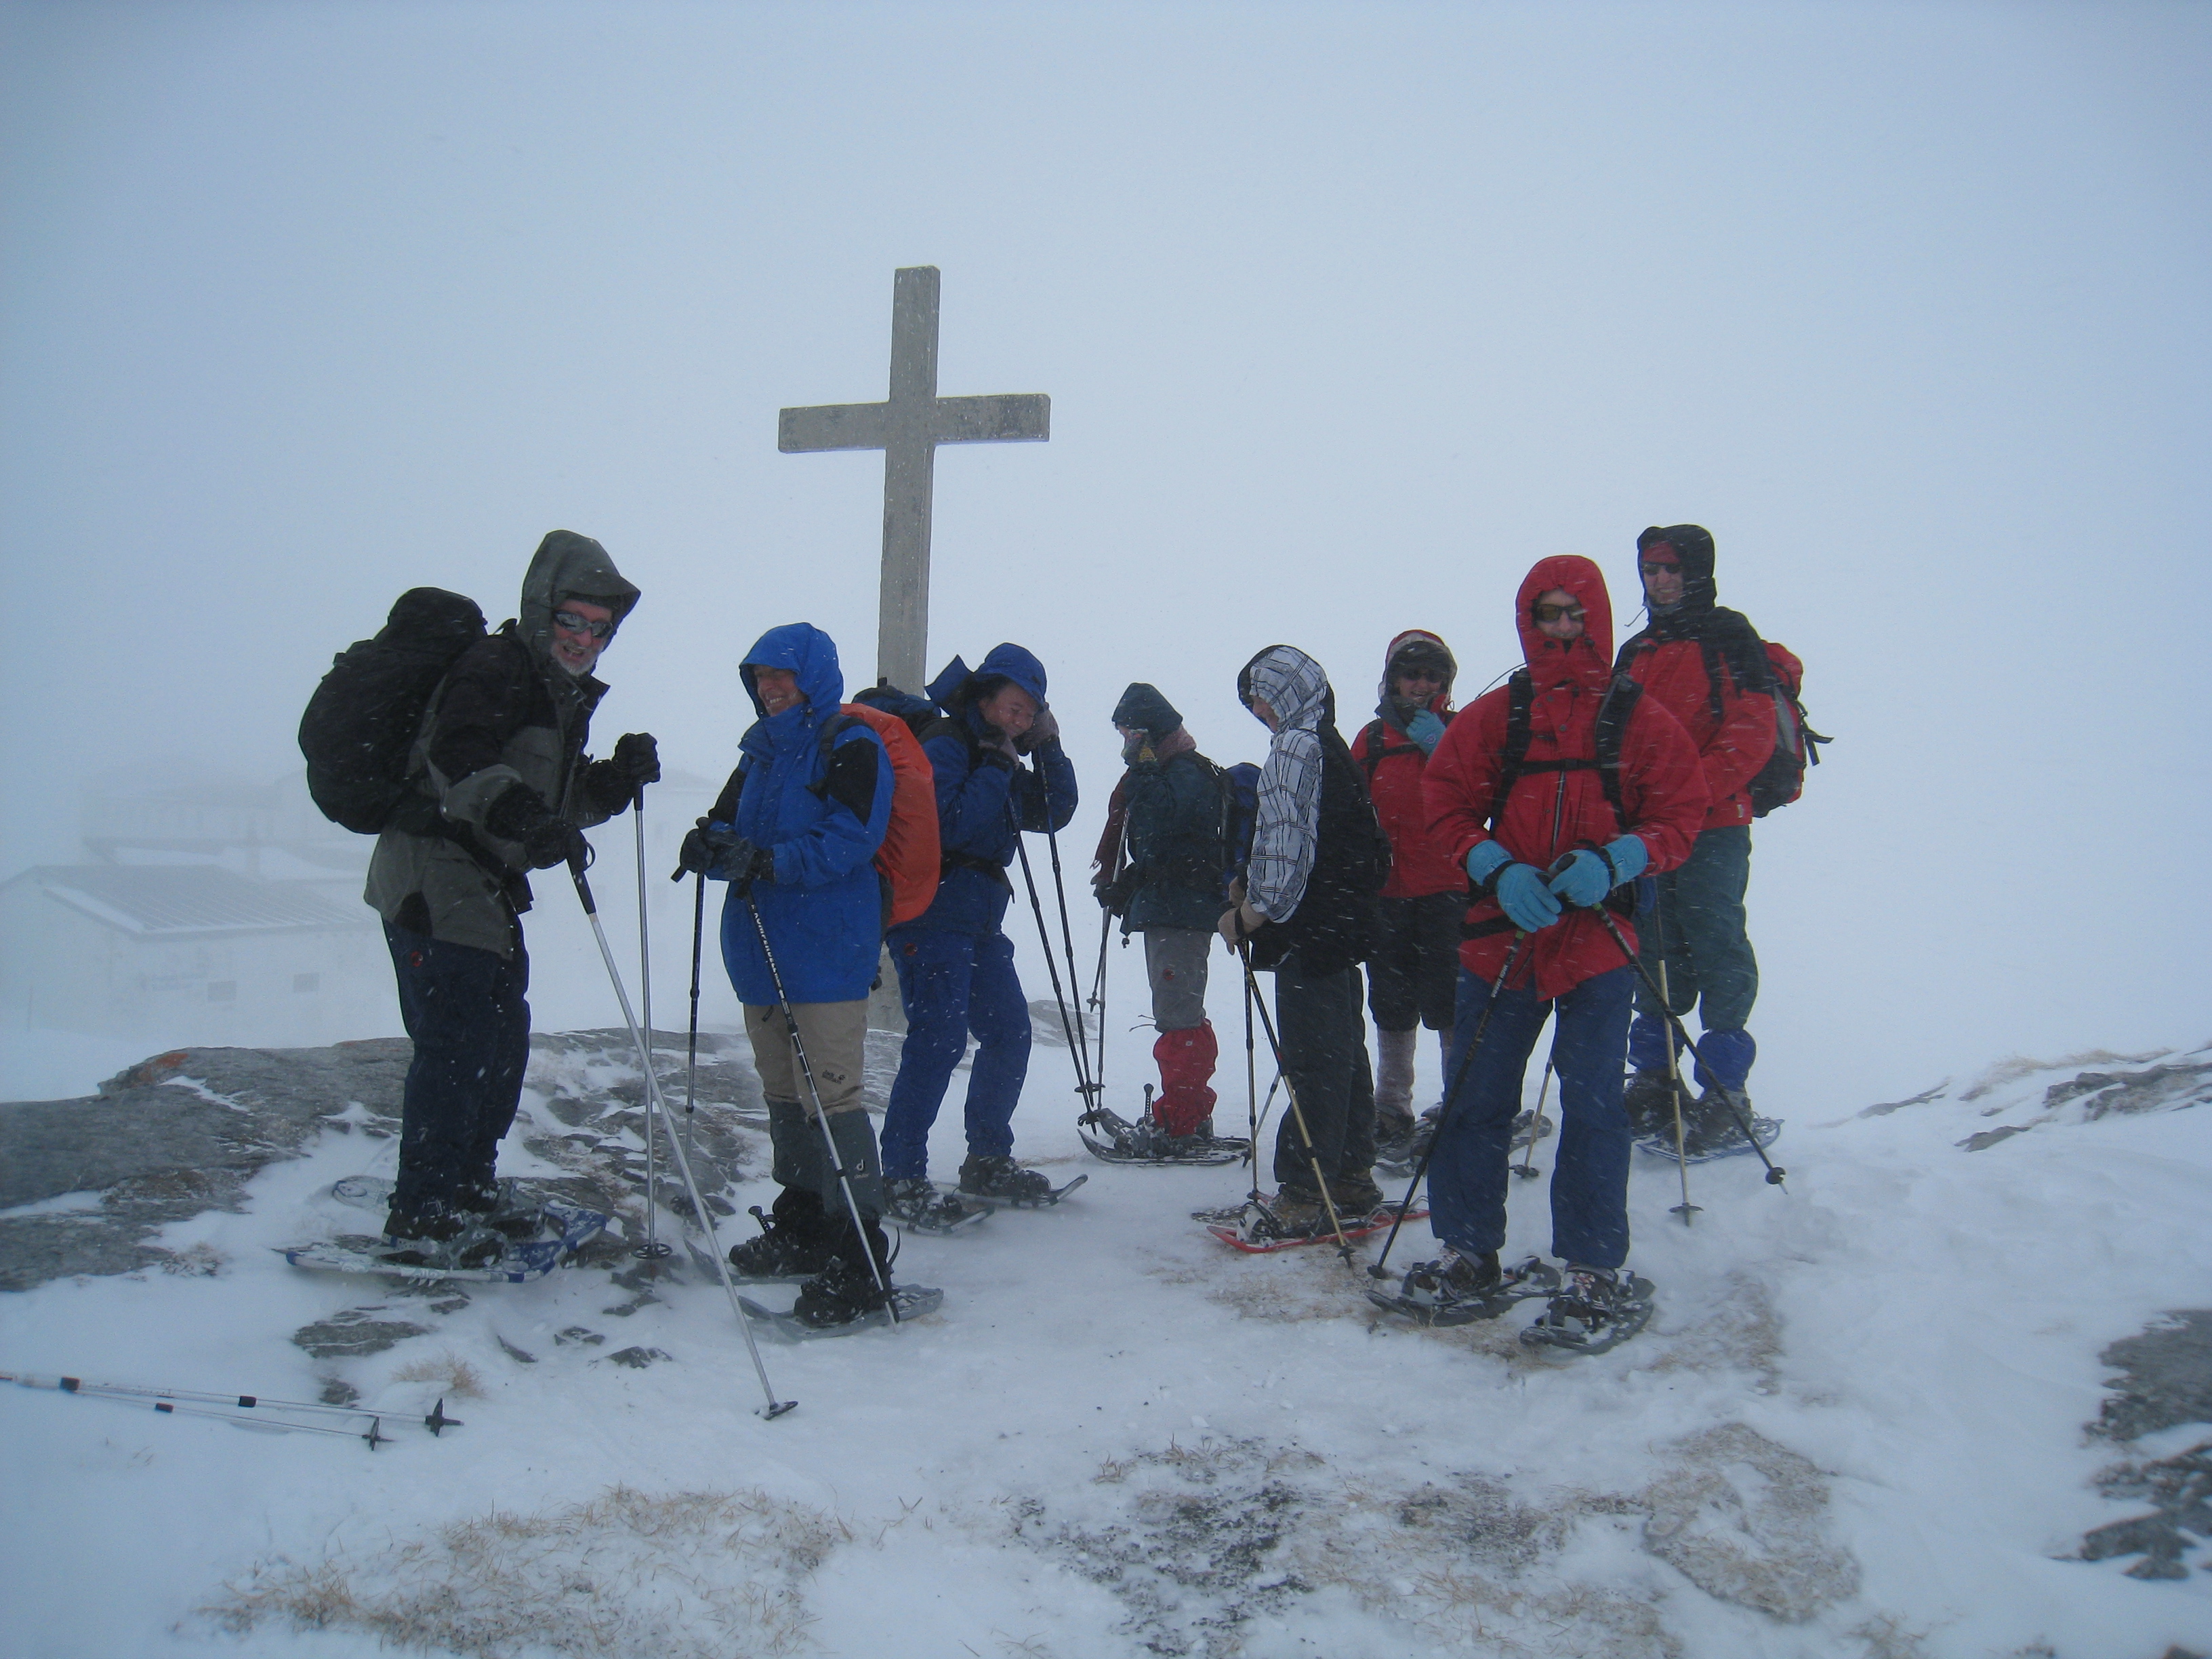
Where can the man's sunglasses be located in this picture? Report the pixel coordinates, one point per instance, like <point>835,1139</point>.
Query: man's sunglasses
<point>577,624</point>
<point>1548,613</point>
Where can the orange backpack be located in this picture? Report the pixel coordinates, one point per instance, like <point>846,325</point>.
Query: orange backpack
<point>909,859</point>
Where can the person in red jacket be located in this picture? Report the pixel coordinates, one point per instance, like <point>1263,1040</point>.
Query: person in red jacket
<point>1708,667</point>
<point>1605,786</point>
<point>1413,978</point>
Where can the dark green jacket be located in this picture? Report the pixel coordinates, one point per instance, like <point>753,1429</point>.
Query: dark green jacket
<point>1173,843</point>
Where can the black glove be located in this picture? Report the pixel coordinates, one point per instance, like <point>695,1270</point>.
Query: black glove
<point>556,841</point>
<point>1113,895</point>
<point>522,816</point>
<point>696,855</point>
<point>638,757</point>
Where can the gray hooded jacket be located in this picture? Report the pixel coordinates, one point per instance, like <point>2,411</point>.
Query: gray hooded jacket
<point>505,717</point>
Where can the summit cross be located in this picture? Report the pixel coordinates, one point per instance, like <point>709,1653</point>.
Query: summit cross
<point>908,426</point>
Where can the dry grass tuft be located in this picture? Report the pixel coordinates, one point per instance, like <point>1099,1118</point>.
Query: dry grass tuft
<point>687,1576</point>
<point>201,1261</point>
<point>448,1370</point>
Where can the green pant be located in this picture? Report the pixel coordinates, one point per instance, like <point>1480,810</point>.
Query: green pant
<point>1699,933</point>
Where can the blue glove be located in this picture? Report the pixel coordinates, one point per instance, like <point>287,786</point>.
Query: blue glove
<point>1485,858</point>
<point>1528,901</point>
<point>1589,877</point>
<point>1425,728</point>
<point>1629,856</point>
<point>1584,881</point>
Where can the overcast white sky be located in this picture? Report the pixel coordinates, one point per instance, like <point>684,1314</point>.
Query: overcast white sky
<point>1347,314</point>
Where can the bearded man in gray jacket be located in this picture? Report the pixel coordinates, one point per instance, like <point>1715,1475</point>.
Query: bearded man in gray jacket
<point>506,788</point>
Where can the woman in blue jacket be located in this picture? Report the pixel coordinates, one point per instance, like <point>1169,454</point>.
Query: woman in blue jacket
<point>956,964</point>
<point>795,834</point>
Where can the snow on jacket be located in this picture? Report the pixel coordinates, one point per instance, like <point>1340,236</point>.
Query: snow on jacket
<point>1727,712</point>
<point>823,816</point>
<point>505,717</point>
<point>981,795</point>
<point>1549,814</point>
<point>1395,766</point>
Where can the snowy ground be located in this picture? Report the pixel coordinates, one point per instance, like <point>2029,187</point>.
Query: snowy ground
<point>1856,1426</point>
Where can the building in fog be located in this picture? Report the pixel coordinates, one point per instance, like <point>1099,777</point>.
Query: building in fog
<point>208,912</point>
<point>188,953</point>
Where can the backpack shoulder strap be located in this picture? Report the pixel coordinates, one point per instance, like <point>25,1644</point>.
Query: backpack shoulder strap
<point>1519,693</point>
<point>833,728</point>
<point>1372,738</point>
<point>1612,717</point>
<point>1716,664</point>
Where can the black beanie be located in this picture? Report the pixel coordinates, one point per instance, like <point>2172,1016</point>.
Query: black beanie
<point>1693,549</point>
<point>1142,709</point>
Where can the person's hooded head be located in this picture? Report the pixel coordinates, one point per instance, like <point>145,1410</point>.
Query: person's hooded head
<point>798,662</point>
<point>1566,620</point>
<point>1142,709</point>
<point>1417,661</point>
<point>1292,686</point>
<point>1683,553</point>
<point>568,566</point>
<point>975,694</point>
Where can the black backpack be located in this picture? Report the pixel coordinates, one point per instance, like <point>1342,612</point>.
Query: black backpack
<point>1513,763</point>
<point>360,726</point>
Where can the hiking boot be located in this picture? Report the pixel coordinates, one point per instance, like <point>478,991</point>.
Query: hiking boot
<point>1709,1123</point>
<point>838,1295</point>
<point>1394,1138</point>
<point>1589,1300</point>
<point>795,1242</point>
<point>1357,1196</point>
<point>1425,1134</point>
<point>436,1234</point>
<point>1292,1214</point>
<point>1452,1279</point>
<point>998,1177</point>
<point>1650,1101</point>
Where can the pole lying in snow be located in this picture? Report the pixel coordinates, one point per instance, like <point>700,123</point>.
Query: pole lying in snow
<point>232,1407</point>
<point>775,1407</point>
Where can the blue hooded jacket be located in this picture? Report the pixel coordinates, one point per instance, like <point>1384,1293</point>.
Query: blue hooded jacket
<point>824,816</point>
<point>981,797</point>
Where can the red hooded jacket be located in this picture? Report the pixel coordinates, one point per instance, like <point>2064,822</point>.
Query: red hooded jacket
<point>1394,763</point>
<point>1551,813</point>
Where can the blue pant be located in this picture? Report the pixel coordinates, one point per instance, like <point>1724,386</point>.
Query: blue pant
<point>950,984</point>
<point>1699,931</point>
<point>1467,1173</point>
<point>464,1009</point>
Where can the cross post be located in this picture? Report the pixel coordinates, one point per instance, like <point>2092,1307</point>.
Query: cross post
<point>908,426</point>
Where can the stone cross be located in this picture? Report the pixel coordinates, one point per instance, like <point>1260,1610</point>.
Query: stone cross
<point>908,426</point>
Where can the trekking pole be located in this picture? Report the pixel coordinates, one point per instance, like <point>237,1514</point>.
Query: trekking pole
<point>652,1249</point>
<point>776,1407</point>
<point>1067,934</point>
<point>1684,1209</point>
<point>1526,1169</point>
<point>1098,997</point>
<point>1252,1094</point>
<point>1774,1175</point>
<point>226,1407</point>
<point>1452,1098</point>
<point>691,1047</point>
<point>1084,1085</point>
<point>829,1140</point>
<point>1298,1112</point>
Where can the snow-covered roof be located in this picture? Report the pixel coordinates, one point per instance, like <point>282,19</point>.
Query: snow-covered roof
<point>165,900</point>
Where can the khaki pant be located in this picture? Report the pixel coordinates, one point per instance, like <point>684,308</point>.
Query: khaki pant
<point>835,1035</point>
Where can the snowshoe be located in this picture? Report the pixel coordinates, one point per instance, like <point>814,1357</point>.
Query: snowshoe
<point>1595,1310</point>
<point>1650,1101</point>
<point>492,1258</point>
<point>926,1208</point>
<point>1458,1289</point>
<point>1263,1227</point>
<point>1001,1178</point>
<point>913,1301</point>
<point>1113,1138</point>
<point>1711,1130</point>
